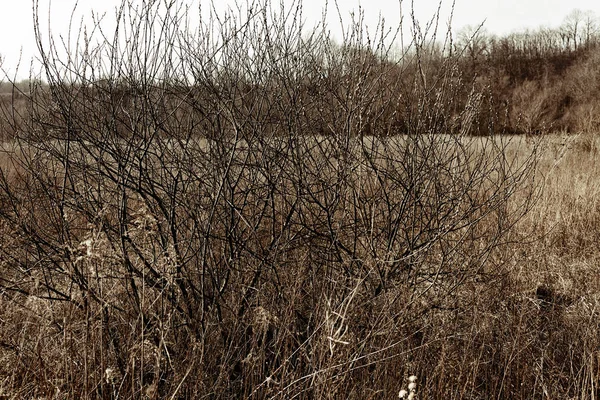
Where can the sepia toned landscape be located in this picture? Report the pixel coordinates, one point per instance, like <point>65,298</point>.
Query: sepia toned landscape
<point>251,209</point>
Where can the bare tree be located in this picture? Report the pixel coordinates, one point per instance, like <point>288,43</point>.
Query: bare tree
<point>473,40</point>
<point>577,28</point>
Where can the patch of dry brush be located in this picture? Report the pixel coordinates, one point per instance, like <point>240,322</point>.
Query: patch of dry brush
<point>313,221</point>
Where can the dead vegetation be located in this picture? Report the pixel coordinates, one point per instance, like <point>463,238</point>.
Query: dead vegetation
<point>308,220</point>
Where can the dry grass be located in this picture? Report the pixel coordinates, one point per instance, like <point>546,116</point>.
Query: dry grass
<point>241,234</point>
<point>530,331</point>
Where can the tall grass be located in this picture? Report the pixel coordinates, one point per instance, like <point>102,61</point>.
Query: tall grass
<point>305,220</point>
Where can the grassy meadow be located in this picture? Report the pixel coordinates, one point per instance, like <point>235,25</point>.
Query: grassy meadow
<point>525,323</point>
<point>308,220</point>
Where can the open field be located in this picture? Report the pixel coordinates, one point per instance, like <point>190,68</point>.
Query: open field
<point>292,317</point>
<point>267,213</point>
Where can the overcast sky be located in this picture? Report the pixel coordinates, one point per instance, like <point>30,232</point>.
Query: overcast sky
<point>500,16</point>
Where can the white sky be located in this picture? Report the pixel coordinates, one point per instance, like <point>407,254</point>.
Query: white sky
<point>502,16</point>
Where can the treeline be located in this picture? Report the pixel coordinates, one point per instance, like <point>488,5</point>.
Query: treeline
<point>539,80</point>
<point>528,82</point>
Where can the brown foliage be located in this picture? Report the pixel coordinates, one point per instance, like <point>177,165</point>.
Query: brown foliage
<point>307,220</point>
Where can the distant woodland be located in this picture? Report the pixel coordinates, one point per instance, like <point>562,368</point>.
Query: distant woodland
<point>538,80</point>
<point>527,82</point>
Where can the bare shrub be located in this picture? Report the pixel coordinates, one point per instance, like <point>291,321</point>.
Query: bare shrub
<point>249,210</point>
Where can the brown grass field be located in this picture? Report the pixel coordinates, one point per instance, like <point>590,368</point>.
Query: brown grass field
<point>530,331</point>
<point>251,210</point>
